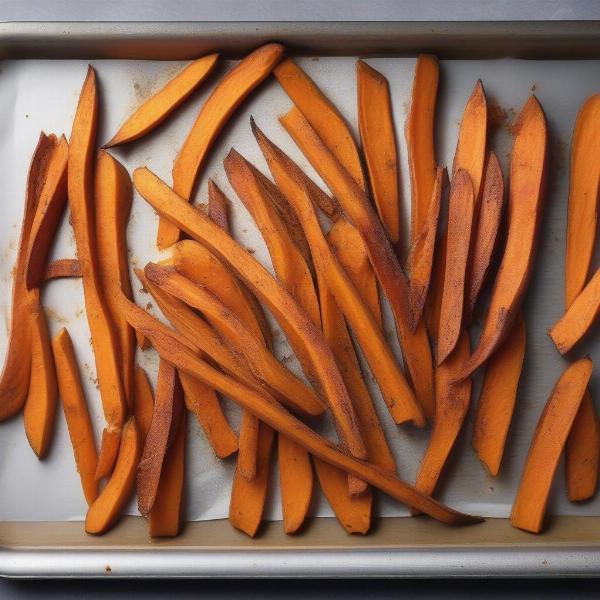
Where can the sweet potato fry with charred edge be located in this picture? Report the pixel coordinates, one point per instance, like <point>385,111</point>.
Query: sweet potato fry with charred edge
<point>159,106</point>
<point>62,268</point>
<point>173,347</point>
<point>227,96</point>
<point>547,445</point>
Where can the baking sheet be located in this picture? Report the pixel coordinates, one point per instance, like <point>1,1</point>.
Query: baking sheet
<point>38,94</point>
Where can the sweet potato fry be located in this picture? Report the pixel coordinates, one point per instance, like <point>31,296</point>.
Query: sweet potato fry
<point>173,347</point>
<point>497,398</point>
<point>422,250</point>
<point>526,199</point>
<point>40,409</point>
<point>322,115</point>
<point>433,304</point>
<point>164,519</point>
<point>62,267</point>
<point>226,97</point>
<point>460,219</point>
<point>104,340</point>
<point>218,206</point>
<point>164,418</point>
<point>112,198</point>
<point>160,105</point>
<point>51,205</point>
<point>486,232</point>
<point>105,510</point>
<point>376,126</point>
<point>397,393</point>
<point>419,134</point>
<point>547,444</point>
<point>76,413</point>
<point>143,405</point>
<point>415,344</point>
<point>304,338</point>
<point>15,376</point>
<point>451,406</point>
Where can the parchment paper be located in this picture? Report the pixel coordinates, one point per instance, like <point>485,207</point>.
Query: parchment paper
<point>38,94</point>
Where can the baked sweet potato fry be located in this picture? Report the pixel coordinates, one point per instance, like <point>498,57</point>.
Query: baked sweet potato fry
<point>218,206</point>
<point>376,127</point>
<point>105,510</point>
<point>81,203</point>
<point>143,404</point>
<point>460,219</point>
<point>419,134</point>
<point>226,97</point>
<point>160,105</point>
<point>76,414</point>
<point>547,445</point>
<point>62,268</point>
<point>498,397</point>
<point>52,200</point>
<point>415,344</point>
<point>322,115</point>
<point>304,338</point>
<point>433,304</point>
<point>526,200</point>
<point>172,346</point>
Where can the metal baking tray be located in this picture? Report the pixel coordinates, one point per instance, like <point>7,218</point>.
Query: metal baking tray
<point>396,546</point>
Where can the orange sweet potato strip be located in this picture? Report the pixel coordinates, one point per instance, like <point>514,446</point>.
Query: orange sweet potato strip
<point>527,183</point>
<point>15,376</point>
<point>433,304</point>
<point>143,405</point>
<point>40,409</point>
<point>62,267</point>
<point>81,203</point>
<point>498,397</point>
<point>112,197</point>
<point>76,413</point>
<point>223,101</point>
<point>547,445</point>
<point>460,218</point>
<point>218,206</point>
<point>397,393</point>
<point>486,233</point>
<point>168,395</point>
<point>376,126</point>
<point>51,205</point>
<point>164,519</point>
<point>105,510</point>
<point>304,338</point>
<point>159,106</point>
<point>451,407</point>
<point>419,134</point>
<point>415,344</point>
<point>173,347</point>
<point>322,115</point>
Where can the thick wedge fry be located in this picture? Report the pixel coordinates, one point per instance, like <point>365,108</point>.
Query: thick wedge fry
<point>547,445</point>
<point>415,345</point>
<point>172,346</point>
<point>420,140</point>
<point>397,393</point>
<point>51,206</point>
<point>143,405</point>
<point>323,116</point>
<point>159,106</point>
<point>526,200</point>
<point>498,397</point>
<point>113,197</point>
<point>76,414</point>
<point>15,377</point>
<point>486,232</point>
<point>105,510</point>
<point>62,267</point>
<point>376,126</point>
<point>227,96</point>
<point>164,422</point>
<point>104,340</point>
<point>304,338</point>
<point>164,519</point>
<point>460,218</point>
<point>451,407</point>
<point>40,409</point>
